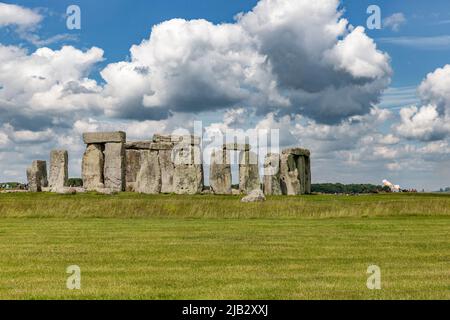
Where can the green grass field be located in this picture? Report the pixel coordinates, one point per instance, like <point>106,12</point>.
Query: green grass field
<point>132,246</point>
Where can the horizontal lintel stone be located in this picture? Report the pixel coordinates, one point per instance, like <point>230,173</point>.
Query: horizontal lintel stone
<point>185,139</point>
<point>297,152</point>
<point>104,137</point>
<point>148,145</point>
<point>237,146</point>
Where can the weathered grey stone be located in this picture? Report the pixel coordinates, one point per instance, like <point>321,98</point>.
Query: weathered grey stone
<point>237,146</point>
<point>133,166</point>
<point>183,139</point>
<point>297,152</point>
<point>248,172</point>
<point>301,163</point>
<point>64,190</point>
<point>161,146</point>
<point>308,175</point>
<point>167,170</point>
<point>235,192</point>
<point>272,183</point>
<point>15,191</point>
<point>92,167</point>
<point>149,145</point>
<point>59,170</point>
<point>138,145</point>
<point>148,180</point>
<point>80,189</point>
<point>104,137</point>
<point>115,166</point>
<point>188,173</point>
<point>37,176</point>
<point>220,172</point>
<point>290,184</point>
<point>106,191</point>
<point>254,196</point>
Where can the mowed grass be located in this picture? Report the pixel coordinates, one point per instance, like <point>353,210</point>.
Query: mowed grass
<point>133,246</point>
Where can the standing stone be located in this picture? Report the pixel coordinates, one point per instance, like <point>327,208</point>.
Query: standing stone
<point>290,185</point>
<point>188,172</point>
<point>148,179</point>
<point>133,166</point>
<point>59,170</point>
<point>272,183</point>
<point>308,175</point>
<point>115,166</point>
<point>301,168</point>
<point>220,172</point>
<point>37,176</point>
<point>248,172</point>
<point>167,171</point>
<point>92,167</point>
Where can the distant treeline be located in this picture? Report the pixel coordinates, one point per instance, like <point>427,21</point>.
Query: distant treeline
<point>347,188</point>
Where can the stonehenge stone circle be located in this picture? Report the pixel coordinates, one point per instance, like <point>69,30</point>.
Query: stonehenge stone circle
<point>220,172</point>
<point>272,182</point>
<point>59,170</point>
<point>37,176</point>
<point>172,164</point>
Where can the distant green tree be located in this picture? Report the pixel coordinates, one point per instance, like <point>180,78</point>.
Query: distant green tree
<point>75,182</point>
<point>333,188</point>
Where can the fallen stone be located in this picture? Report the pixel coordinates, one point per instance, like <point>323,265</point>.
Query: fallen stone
<point>235,192</point>
<point>115,166</point>
<point>14,191</point>
<point>79,189</point>
<point>92,167</point>
<point>148,180</point>
<point>64,190</point>
<point>220,172</point>
<point>206,191</point>
<point>254,196</point>
<point>59,170</point>
<point>272,182</point>
<point>104,137</point>
<point>106,191</point>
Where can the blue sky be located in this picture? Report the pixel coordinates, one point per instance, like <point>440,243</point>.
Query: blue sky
<point>115,25</point>
<point>356,136</point>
